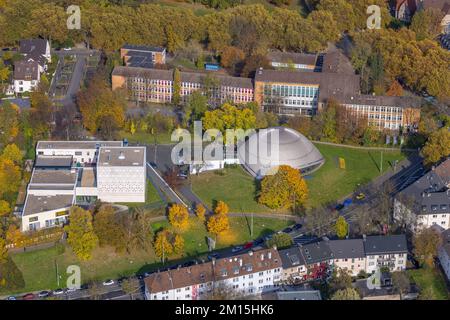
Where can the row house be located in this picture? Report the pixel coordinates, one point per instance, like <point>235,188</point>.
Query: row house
<point>249,274</point>
<point>316,261</point>
<point>426,201</point>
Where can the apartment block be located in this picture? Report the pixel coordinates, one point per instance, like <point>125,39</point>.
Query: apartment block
<point>385,252</point>
<point>249,274</point>
<point>426,201</point>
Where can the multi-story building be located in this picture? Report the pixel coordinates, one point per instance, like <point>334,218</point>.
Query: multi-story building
<point>26,76</point>
<point>154,85</point>
<point>426,201</point>
<point>142,56</point>
<point>384,112</point>
<point>59,180</point>
<point>349,255</point>
<point>444,253</point>
<point>385,252</point>
<point>292,60</point>
<point>249,274</point>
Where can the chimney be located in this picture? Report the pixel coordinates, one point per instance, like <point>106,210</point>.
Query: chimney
<point>250,253</point>
<point>121,156</point>
<point>262,256</point>
<point>240,262</point>
<point>269,255</point>
<point>213,261</point>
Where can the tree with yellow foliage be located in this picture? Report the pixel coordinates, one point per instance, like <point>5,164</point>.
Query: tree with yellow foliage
<point>13,153</point>
<point>178,244</point>
<point>179,216</point>
<point>162,245</point>
<point>200,211</point>
<point>221,208</point>
<point>284,189</point>
<point>10,176</point>
<point>4,208</point>
<point>437,146</point>
<point>218,223</point>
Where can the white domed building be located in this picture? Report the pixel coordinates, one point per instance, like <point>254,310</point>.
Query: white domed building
<point>289,148</point>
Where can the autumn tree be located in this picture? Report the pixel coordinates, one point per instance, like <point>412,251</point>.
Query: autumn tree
<point>3,251</point>
<point>178,244</point>
<point>179,216</point>
<point>137,230</point>
<point>219,223</point>
<point>9,122</point>
<point>4,208</point>
<point>41,114</point>
<point>108,229</point>
<point>231,58</point>
<point>102,109</point>
<point>162,245</point>
<point>427,23</point>
<point>200,211</point>
<point>340,279</point>
<point>12,153</point>
<point>437,146</point>
<point>395,89</point>
<point>341,227</point>
<point>176,87</point>
<point>10,176</point>
<point>426,244</point>
<point>401,282</point>
<point>320,221</point>
<point>221,208</point>
<point>80,233</point>
<point>284,189</point>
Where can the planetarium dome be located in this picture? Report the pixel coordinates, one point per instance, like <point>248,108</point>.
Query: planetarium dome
<point>294,150</point>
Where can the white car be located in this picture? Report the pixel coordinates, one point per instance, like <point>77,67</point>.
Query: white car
<point>58,292</point>
<point>108,282</point>
<point>67,49</point>
<point>68,290</point>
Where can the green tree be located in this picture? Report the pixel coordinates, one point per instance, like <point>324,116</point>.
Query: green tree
<point>176,87</point>
<point>346,294</point>
<point>341,227</point>
<point>80,233</point>
<point>197,105</point>
<point>427,23</point>
<point>280,240</point>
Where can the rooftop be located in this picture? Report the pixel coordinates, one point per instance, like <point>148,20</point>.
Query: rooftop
<point>36,204</point>
<point>371,100</point>
<point>53,176</point>
<point>348,248</point>
<point>33,46</point>
<point>26,70</point>
<point>77,144</point>
<point>291,257</point>
<point>317,252</point>
<point>121,156</point>
<point>292,57</point>
<point>143,48</point>
<point>385,244</point>
<point>53,161</point>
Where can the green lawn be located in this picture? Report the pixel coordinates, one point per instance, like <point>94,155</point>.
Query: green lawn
<point>431,282</point>
<point>328,184</point>
<point>39,267</point>
<point>146,138</point>
<point>239,233</point>
<point>235,187</point>
<point>331,183</point>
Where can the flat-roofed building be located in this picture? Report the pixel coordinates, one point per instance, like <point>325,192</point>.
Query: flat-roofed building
<point>121,174</point>
<point>142,56</point>
<point>292,60</point>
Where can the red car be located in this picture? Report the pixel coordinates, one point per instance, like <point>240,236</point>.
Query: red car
<point>29,296</point>
<point>248,245</point>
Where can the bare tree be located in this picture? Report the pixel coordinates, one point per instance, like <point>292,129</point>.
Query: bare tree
<point>320,221</point>
<point>400,282</point>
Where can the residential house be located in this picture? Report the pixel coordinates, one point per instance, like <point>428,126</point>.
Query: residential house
<point>26,76</point>
<point>444,253</point>
<point>37,50</point>
<point>349,255</point>
<point>427,200</point>
<point>385,252</point>
<point>248,274</point>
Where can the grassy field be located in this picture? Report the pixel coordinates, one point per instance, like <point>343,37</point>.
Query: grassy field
<point>146,138</point>
<point>430,281</point>
<point>331,183</point>
<point>39,268</point>
<point>235,187</point>
<point>239,233</point>
<point>328,184</point>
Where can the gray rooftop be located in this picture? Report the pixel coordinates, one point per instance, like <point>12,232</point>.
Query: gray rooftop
<point>26,70</point>
<point>77,144</point>
<point>291,257</point>
<point>348,248</point>
<point>53,161</point>
<point>147,73</point>
<point>33,47</point>
<point>121,156</point>
<point>317,252</point>
<point>430,193</point>
<point>299,295</point>
<point>36,204</point>
<point>371,100</point>
<point>53,176</point>
<point>385,244</point>
<point>143,48</point>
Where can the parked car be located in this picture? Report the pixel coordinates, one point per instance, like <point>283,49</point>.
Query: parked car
<point>182,176</point>
<point>360,196</point>
<point>58,291</point>
<point>213,256</point>
<point>339,207</point>
<point>258,242</point>
<point>347,202</point>
<point>248,245</point>
<point>108,282</point>
<point>287,230</point>
<point>236,249</point>
<point>11,298</point>
<point>44,294</point>
<point>29,296</point>
<point>69,290</point>
<point>297,226</point>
